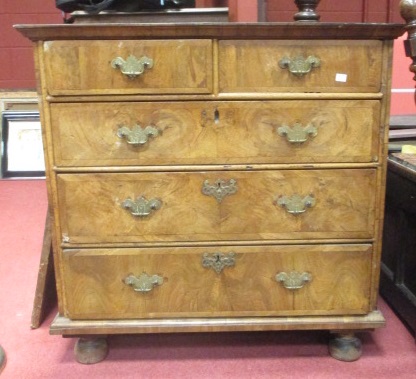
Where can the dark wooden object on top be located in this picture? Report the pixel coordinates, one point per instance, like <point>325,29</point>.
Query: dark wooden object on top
<point>398,281</point>
<point>166,16</point>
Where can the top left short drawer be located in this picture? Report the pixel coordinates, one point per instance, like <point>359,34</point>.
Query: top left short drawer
<point>152,67</point>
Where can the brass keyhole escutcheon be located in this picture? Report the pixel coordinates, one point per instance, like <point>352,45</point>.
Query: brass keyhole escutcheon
<point>220,189</point>
<point>218,261</point>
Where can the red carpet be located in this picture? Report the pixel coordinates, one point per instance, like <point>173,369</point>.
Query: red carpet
<point>388,353</point>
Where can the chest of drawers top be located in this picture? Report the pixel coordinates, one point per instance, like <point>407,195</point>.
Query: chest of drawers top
<point>218,30</point>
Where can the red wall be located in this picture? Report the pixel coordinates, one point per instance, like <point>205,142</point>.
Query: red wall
<point>16,57</point>
<point>243,11</point>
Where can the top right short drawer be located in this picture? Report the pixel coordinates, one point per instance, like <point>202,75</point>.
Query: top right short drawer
<point>300,66</point>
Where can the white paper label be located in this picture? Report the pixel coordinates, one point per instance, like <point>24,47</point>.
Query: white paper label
<point>341,78</point>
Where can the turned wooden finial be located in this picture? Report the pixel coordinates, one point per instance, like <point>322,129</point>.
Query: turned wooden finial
<point>408,12</point>
<point>307,10</point>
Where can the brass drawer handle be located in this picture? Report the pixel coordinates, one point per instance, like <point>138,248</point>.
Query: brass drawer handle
<point>218,261</point>
<point>143,282</point>
<point>293,280</point>
<point>219,189</point>
<point>141,207</point>
<point>137,136</point>
<point>299,66</point>
<point>132,67</point>
<point>297,134</point>
<point>296,204</point>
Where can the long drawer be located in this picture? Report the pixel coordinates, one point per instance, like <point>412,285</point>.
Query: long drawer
<point>300,66</point>
<point>128,67</point>
<point>232,205</point>
<point>196,281</point>
<point>165,133</point>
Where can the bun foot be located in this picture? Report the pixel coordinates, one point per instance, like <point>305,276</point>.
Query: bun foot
<point>90,350</point>
<point>345,347</point>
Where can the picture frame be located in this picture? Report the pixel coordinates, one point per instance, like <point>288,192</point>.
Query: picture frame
<point>22,149</point>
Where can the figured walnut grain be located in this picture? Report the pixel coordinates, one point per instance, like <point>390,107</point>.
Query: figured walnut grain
<point>85,134</point>
<point>95,288</point>
<point>92,212</point>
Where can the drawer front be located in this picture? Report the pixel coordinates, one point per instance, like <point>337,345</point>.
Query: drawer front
<point>222,281</point>
<point>300,66</point>
<point>165,133</point>
<point>202,206</point>
<point>93,67</point>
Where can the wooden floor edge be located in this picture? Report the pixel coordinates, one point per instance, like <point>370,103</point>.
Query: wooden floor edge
<point>64,326</point>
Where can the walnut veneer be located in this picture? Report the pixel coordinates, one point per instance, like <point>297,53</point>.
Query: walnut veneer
<point>264,182</point>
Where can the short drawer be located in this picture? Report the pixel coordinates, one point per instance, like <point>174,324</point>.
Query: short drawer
<point>216,205</point>
<point>128,67</point>
<point>300,66</point>
<point>214,282</point>
<point>245,132</point>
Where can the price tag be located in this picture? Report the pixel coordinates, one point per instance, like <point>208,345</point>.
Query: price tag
<point>342,78</point>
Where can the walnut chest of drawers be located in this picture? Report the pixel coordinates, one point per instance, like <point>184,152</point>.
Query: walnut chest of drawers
<point>215,177</point>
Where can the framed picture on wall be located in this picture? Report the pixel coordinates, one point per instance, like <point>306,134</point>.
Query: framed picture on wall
<point>22,150</point>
